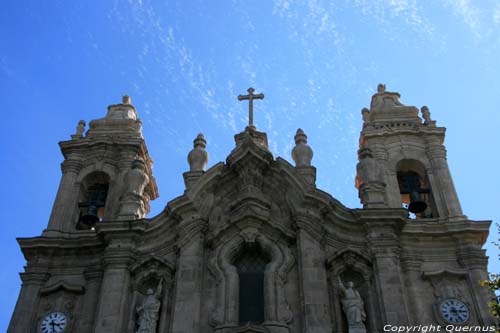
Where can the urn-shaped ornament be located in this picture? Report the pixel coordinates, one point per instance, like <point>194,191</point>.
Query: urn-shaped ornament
<point>198,157</point>
<point>302,154</point>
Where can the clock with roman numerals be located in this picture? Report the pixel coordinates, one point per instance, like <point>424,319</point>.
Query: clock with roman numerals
<point>454,311</point>
<point>54,322</point>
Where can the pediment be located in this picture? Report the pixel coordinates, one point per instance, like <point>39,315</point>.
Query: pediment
<point>152,263</point>
<point>62,285</point>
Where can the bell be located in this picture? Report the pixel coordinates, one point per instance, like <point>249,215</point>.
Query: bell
<point>417,205</point>
<point>89,219</point>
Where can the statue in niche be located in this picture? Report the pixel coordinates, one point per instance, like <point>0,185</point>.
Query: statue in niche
<point>148,311</point>
<point>353,307</point>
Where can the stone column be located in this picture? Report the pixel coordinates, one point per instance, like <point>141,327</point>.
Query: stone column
<point>165,315</point>
<point>189,278</point>
<point>91,297</point>
<point>441,172</point>
<point>383,240</point>
<point>313,282</point>
<point>65,205</point>
<point>23,318</point>
<point>113,302</point>
<point>476,263</point>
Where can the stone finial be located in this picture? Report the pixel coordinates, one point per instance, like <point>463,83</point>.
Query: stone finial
<point>381,88</point>
<point>80,128</point>
<point>426,114</point>
<point>198,157</point>
<point>126,100</point>
<point>366,115</point>
<point>302,154</point>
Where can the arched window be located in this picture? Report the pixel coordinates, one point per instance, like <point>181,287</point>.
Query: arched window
<point>251,265</point>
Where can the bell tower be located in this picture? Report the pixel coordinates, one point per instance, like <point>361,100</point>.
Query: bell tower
<point>106,173</point>
<point>402,160</point>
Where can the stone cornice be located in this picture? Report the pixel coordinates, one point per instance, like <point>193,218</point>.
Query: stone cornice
<point>121,229</point>
<point>38,278</point>
<point>432,227</point>
<point>444,271</point>
<point>35,246</point>
<point>399,128</point>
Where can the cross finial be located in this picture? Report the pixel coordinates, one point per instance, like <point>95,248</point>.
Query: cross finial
<point>250,97</point>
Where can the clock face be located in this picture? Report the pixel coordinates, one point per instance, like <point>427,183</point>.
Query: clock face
<point>454,311</point>
<point>54,322</point>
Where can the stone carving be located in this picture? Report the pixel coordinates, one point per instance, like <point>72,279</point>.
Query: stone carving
<point>384,99</point>
<point>353,307</point>
<point>80,128</point>
<point>370,180</point>
<point>426,114</point>
<point>198,157</point>
<point>133,200</point>
<point>366,115</point>
<point>148,311</point>
<point>302,154</point>
<point>369,170</point>
<point>136,178</point>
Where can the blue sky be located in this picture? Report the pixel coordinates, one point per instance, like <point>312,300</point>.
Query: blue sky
<point>184,62</point>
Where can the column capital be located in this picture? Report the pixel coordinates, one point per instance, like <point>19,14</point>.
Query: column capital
<point>71,165</point>
<point>36,278</point>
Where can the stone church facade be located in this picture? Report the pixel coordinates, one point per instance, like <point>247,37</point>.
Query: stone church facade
<point>253,245</point>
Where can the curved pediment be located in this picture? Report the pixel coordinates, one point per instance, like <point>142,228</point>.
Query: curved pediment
<point>250,188</point>
<point>62,285</point>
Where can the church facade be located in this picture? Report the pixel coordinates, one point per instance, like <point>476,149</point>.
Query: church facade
<point>253,245</point>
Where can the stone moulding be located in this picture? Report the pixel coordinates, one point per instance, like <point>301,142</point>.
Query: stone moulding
<point>152,266</point>
<point>277,312</point>
<point>76,289</point>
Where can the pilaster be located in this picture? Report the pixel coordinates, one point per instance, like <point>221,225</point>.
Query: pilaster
<point>27,303</point>
<point>313,281</point>
<point>189,277</point>
<point>61,218</point>
<point>383,228</point>
<point>90,302</point>
<point>476,262</point>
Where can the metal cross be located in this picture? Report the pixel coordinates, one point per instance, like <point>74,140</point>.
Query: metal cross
<point>250,97</point>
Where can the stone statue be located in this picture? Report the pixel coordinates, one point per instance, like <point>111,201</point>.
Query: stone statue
<point>353,307</point>
<point>80,128</point>
<point>366,115</point>
<point>148,311</point>
<point>426,114</point>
